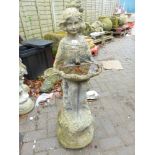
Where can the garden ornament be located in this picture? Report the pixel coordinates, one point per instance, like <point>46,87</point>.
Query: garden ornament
<point>97,26</point>
<point>76,66</point>
<point>25,103</point>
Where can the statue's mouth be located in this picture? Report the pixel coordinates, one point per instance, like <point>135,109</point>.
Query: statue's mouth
<point>74,30</point>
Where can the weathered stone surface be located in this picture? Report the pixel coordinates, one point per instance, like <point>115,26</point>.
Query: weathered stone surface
<point>34,135</point>
<point>27,149</point>
<point>46,144</point>
<point>25,103</point>
<point>26,107</point>
<point>109,143</point>
<point>50,79</point>
<point>41,153</point>
<point>75,130</point>
<point>97,26</point>
<point>73,63</point>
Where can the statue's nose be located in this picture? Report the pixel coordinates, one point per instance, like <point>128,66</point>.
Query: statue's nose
<point>73,26</point>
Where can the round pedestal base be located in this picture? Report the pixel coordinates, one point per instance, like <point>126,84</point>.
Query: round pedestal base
<point>26,107</point>
<point>74,130</point>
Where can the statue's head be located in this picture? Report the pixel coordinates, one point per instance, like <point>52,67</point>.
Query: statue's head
<point>71,21</point>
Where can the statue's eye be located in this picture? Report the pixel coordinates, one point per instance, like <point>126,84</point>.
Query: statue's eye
<point>69,24</point>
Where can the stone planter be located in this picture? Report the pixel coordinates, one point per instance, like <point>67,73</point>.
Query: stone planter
<point>107,24</point>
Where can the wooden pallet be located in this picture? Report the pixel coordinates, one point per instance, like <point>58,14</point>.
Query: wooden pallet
<point>97,41</point>
<point>108,38</point>
<point>103,40</point>
<point>121,31</point>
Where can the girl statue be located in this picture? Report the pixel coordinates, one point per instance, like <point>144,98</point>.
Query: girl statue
<point>75,122</point>
<point>73,50</point>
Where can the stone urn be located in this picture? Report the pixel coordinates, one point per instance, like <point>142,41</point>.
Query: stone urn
<point>122,19</point>
<point>115,21</point>
<point>75,123</point>
<point>107,23</point>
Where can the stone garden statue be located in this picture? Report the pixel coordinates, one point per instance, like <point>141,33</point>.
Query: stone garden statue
<point>75,65</point>
<point>25,103</point>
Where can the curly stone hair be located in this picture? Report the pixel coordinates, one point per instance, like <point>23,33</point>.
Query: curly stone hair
<point>68,13</point>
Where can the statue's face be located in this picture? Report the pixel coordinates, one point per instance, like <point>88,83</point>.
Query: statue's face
<point>73,25</point>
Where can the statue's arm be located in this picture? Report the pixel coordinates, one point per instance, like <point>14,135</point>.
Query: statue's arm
<point>59,56</point>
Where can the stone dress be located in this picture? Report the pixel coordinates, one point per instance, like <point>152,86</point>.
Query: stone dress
<point>69,52</point>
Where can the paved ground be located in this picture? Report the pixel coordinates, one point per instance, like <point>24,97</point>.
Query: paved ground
<point>113,111</point>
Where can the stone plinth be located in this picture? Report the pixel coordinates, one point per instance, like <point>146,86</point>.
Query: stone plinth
<point>75,130</point>
<point>26,107</point>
